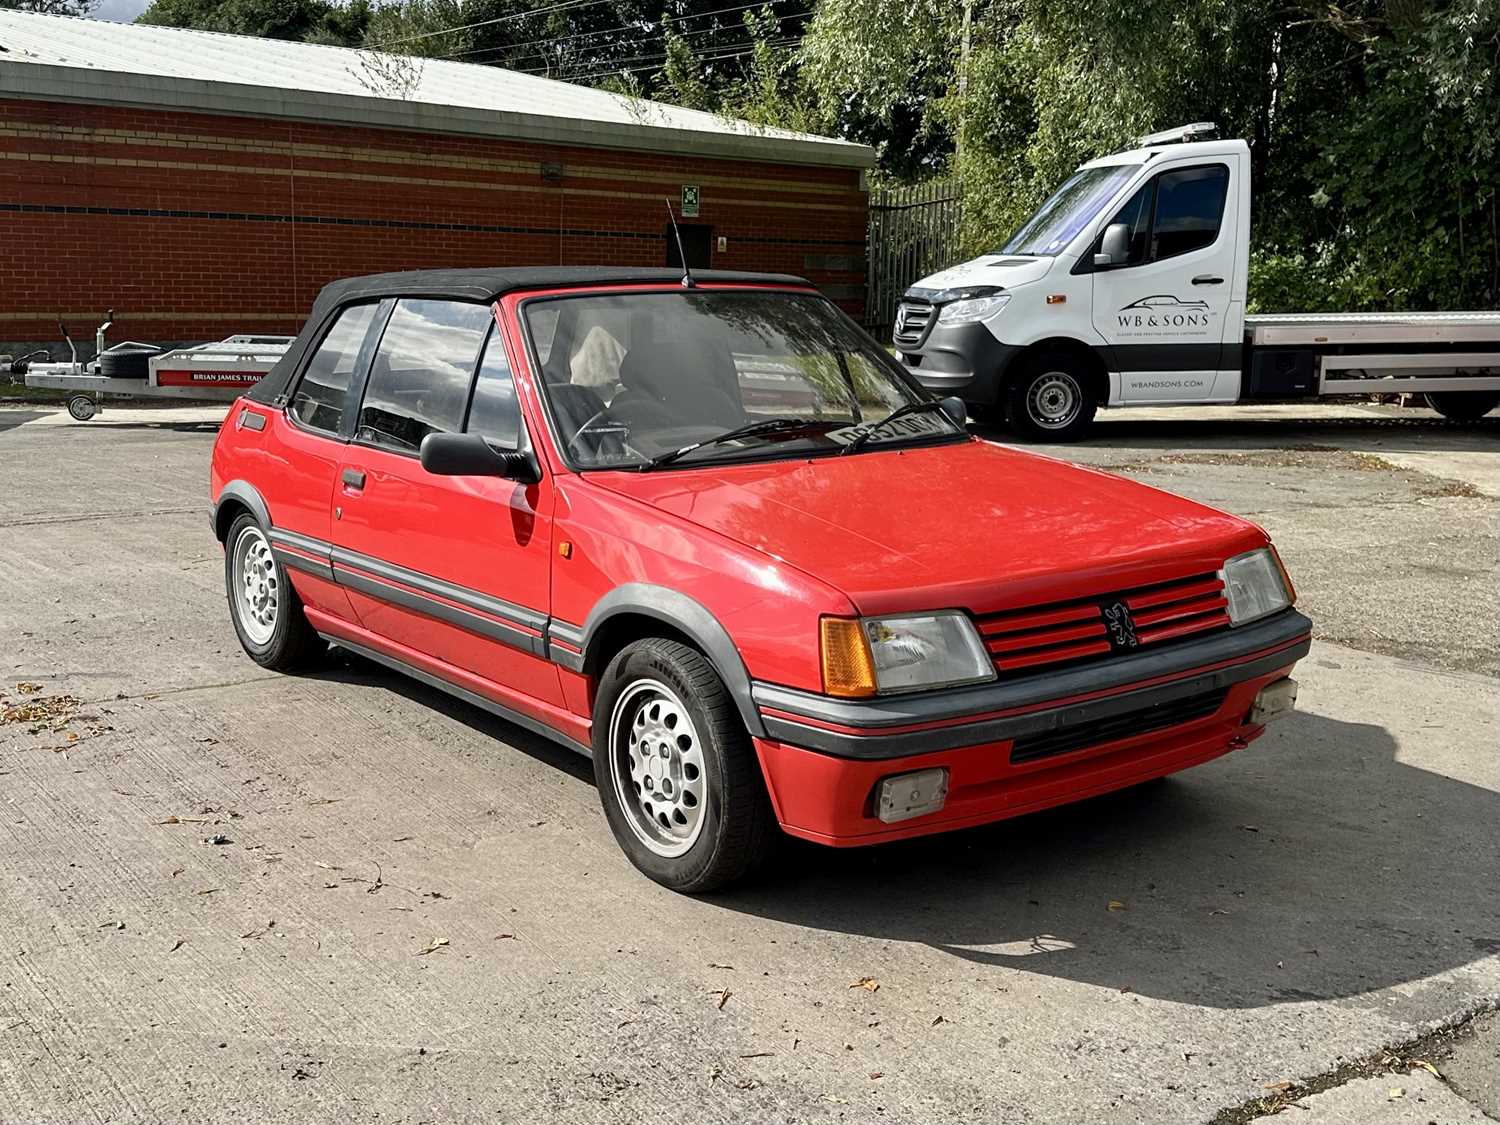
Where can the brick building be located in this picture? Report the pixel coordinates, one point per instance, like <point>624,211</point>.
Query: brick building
<point>202,184</point>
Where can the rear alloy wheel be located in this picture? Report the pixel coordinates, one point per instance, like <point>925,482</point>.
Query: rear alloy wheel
<point>676,771</point>
<point>1463,406</point>
<point>1051,398</point>
<point>266,611</point>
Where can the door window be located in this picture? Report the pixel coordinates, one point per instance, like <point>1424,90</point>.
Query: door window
<point>319,401</point>
<point>420,376</point>
<point>1174,213</point>
<point>494,413</point>
<point>1189,208</point>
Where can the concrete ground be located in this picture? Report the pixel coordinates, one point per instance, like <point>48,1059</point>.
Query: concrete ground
<point>230,895</point>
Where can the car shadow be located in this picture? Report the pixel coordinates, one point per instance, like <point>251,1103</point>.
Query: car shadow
<point>1312,866</point>
<point>348,667</point>
<point>1419,433</point>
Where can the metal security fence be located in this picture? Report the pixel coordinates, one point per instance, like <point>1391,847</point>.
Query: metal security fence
<point>914,230</point>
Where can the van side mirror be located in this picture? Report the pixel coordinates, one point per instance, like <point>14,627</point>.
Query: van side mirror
<point>955,410</point>
<point>1114,247</point>
<point>469,455</point>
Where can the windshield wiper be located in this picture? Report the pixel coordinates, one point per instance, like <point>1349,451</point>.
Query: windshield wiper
<point>754,429</point>
<point>929,406</point>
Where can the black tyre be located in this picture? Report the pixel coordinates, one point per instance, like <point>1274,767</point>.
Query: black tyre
<point>81,408</point>
<point>126,362</point>
<point>266,611</point>
<point>1463,406</point>
<point>677,774</point>
<point>1051,398</point>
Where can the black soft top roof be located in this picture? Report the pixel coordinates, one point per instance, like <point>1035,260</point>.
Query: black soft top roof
<point>476,285</point>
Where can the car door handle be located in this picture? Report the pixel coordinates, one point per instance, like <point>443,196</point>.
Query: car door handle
<point>1207,279</point>
<point>354,478</point>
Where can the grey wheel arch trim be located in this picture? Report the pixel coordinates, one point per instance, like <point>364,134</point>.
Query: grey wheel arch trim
<point>682,613</point>
<point>245,493</point>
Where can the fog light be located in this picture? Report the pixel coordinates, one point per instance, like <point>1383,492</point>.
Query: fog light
<point>1273,701</point>
<point>911,794</point>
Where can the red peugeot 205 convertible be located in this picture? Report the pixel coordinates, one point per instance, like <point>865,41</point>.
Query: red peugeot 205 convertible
<point>710,534</point>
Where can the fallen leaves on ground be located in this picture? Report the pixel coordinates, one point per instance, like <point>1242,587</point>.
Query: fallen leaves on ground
<point>436,944</point>
<point>869,984</point>
<point>178,945</point>
<point>1397,1092</point>
<point>1279,1087</point>
<point>262,932</point>
<point>724,999</point>
<point>1427,1066</point>
<point>1115,904</point>
<point>44,711</point>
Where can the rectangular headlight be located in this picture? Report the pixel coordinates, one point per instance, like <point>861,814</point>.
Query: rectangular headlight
<point>930,651</point>
<point>1254,585</point>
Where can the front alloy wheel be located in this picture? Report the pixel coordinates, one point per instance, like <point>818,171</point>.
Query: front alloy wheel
<point>657,767</point>
<point>676,771</point>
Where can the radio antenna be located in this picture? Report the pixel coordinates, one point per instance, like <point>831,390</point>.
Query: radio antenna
<point>687,273</point>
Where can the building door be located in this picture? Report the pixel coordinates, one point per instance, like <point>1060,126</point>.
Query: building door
<point>697,243</point>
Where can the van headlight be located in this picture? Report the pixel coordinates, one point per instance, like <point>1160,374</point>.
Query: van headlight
<point>869,655</point>
<point>1256,585</point>
<point>972,309</point>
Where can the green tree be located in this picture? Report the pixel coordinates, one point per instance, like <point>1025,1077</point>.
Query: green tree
<point>50,7</point>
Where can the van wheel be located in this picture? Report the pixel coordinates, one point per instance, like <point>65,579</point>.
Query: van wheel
<point>1463,406</point>
<point>1051,398</point>
<point>677,774</point>
<point>266,611</point>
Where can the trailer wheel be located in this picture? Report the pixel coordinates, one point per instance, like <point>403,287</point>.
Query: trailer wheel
<point>1051,398</point>
<point>1463,406</point>
<point>82,408</point>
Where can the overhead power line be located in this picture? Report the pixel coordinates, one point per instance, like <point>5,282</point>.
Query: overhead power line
<point>657,65</point>
<point>618,28</point>
<point>565,5</point>
<point>525,63</point>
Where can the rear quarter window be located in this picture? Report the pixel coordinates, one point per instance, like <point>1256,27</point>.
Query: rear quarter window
<point>324,387</point>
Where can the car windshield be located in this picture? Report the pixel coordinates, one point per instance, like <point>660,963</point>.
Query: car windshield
<point>1072,207</point>
<point>633,379</point>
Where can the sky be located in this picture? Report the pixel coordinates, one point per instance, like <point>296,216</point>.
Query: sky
<point>119,11</point>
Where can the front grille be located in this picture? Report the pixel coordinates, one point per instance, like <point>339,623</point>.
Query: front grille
<point>1096,732</point>
<point>912,322</point>
<point>1070,632</point>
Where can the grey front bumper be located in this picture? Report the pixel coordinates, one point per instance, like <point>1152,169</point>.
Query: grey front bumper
<point>1190,668</point>
<point>962,359</point>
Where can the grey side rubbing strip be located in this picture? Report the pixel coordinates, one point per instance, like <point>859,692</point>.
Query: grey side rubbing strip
<point>871,716</point>
<point>474,698</point>
<point>320,566</point>
<point>495,630</point>
<point>568,653</point>
<point>473,599</point>
<point>293,561</point>
<point>686,616</point>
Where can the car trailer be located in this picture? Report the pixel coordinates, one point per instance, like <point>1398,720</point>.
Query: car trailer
<point>215,372</point>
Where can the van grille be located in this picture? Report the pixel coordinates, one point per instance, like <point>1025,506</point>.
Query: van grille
<point>912,322</point>
<point>1096,732</point>
<point>1070,632</point>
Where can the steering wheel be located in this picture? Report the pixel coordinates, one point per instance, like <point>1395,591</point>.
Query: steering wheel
<point>604,440</point>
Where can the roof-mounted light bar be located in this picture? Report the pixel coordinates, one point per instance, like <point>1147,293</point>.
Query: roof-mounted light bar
<point>1197,131</point>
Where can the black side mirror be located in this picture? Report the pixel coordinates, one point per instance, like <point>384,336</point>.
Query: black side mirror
<point>1114,246</point>
<point>469,455</point>
<point>955,410</point>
